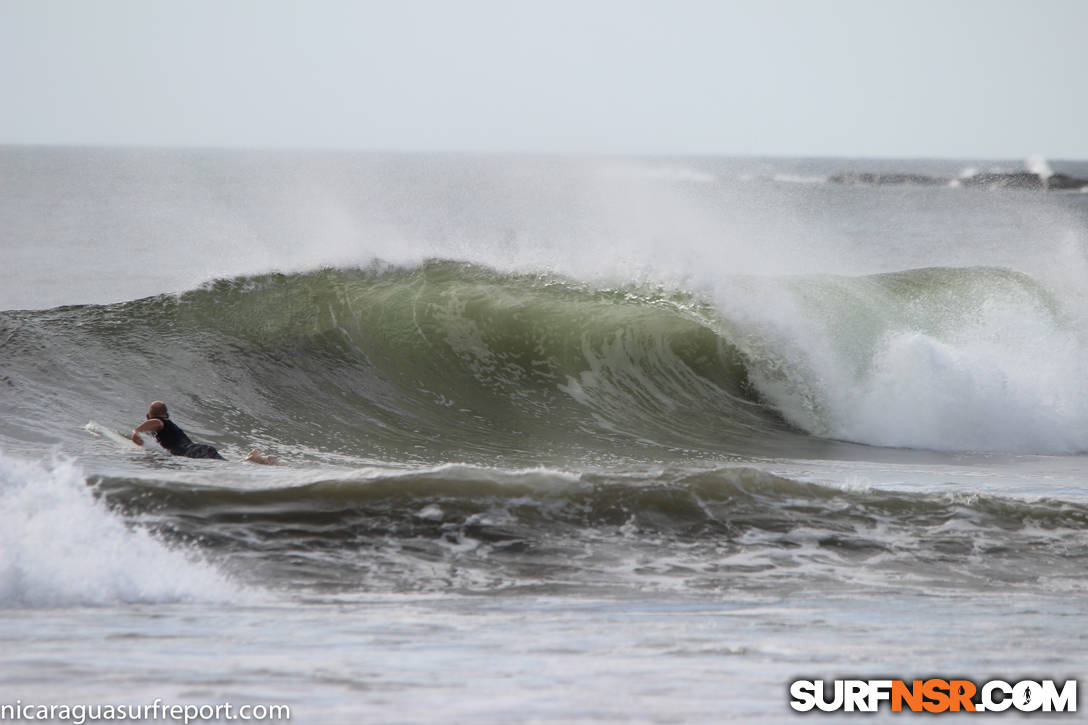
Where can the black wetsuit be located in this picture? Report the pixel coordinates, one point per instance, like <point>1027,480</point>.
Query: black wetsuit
<point>173,439</point>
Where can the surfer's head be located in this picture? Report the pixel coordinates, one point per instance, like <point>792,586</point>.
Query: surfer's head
<point>157,410</point>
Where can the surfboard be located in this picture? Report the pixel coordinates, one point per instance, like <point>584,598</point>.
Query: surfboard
<point>97,429</point>
<point>102,431</point>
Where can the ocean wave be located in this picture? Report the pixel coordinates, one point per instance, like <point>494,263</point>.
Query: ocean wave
<point>1036,175</point>
<point>729,500</point>
<point>59,547</point>
<point>485,528</point>
<point>450,361</point>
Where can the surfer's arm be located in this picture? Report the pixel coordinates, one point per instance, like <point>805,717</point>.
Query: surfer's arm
<point>148,426</point>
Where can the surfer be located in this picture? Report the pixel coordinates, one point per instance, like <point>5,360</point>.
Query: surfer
<point>173,438</point>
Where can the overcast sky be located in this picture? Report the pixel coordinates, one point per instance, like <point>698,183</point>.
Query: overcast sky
<point>928,78</point>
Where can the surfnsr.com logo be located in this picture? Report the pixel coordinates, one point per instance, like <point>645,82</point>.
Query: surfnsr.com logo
<point>934,695</point>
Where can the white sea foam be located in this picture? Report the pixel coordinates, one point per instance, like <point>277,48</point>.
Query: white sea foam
<point>1004,372</point>
<point>60,547</point>
<point>972,395</point>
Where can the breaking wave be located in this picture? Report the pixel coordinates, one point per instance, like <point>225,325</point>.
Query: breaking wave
<point>450,361</point>
<point>60,547</point>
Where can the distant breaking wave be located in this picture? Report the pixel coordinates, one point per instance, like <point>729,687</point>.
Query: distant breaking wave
<point>1037,175</point>
<point>451,361</point>
<point>1032,180</point>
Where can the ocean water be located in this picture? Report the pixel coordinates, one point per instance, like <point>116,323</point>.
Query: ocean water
<point>563,439</point>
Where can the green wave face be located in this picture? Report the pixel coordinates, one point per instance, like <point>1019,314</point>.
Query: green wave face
<point>449,361</point>
<point>467,362</point>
